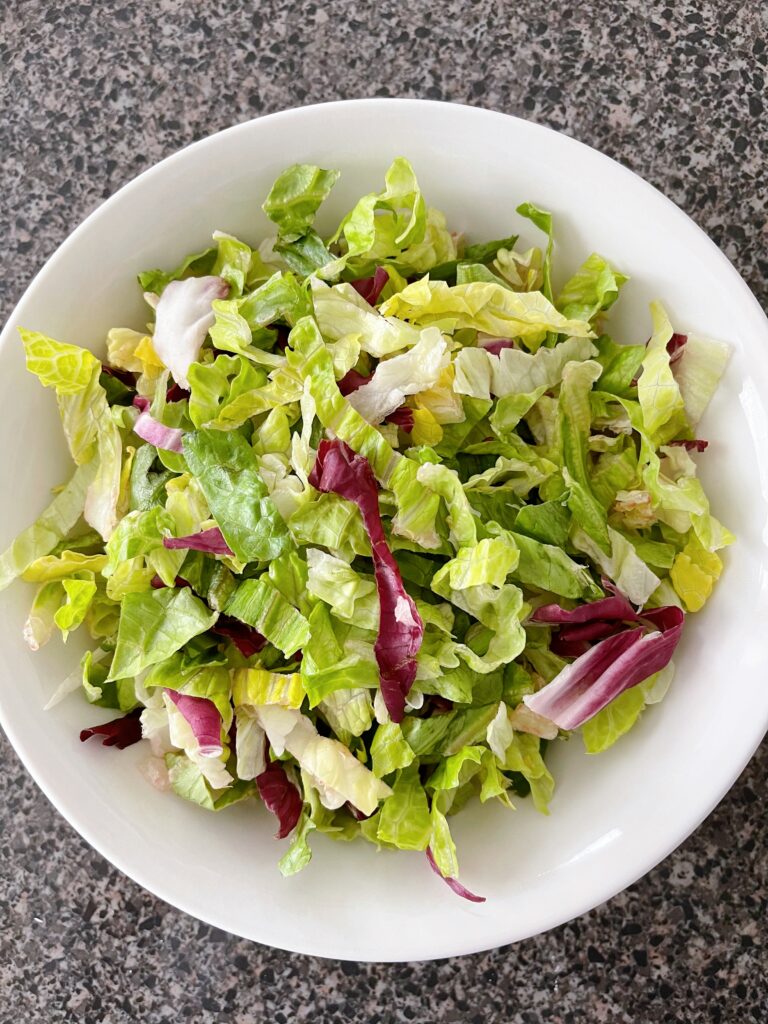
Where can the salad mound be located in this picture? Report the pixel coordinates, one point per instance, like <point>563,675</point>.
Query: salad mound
<point>360,524</point>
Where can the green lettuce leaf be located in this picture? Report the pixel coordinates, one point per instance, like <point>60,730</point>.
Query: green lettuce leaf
<point>514,372</point>
<point>49,529</point>
<point>404,820</point>
<point>154,625</point>
<point>593,289</point>
<point>225,466</point>
<point>543,221</point>
<point>657,390</point>
<point>260,604</point>
<point>483,306</point>
<point>296,196</point>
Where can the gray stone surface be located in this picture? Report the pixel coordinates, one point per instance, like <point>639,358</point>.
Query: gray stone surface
<point>91,94</point>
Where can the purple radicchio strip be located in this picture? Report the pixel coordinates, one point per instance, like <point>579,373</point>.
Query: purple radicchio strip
<point>204,720</point>
<point>210,541</point>
<point>609,668</point>
<point>370,288</point>
<point>153,431</point>
<point>280,796</point>
<point>453,883</point>
<point>339,470</point>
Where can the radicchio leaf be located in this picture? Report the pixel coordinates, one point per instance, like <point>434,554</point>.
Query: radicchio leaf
<point>675,347</point>
<point>496,345</point>
<point>696,445</point>
<point>204,720</point>
<point>124,376</point>
<point>153,431</point>
<point>453,883</point>
<point>120,732</point>
<point>246,639</point>
<point>339,470</point>
<point>351,381</point>
<point>609,668</point>
<point>210,541</point>
<point>280,796</point>
<point>370,288</point>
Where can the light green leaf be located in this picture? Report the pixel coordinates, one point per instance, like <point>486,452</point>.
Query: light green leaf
<point>225,466</point>
<point>154,625</point>
<point>404,820</point>
<point>389,750</point>
<point>296,196</point>
<point>657,390</point>
<point>592,289</point>
<point>260,604</point>
<point>49,529</point>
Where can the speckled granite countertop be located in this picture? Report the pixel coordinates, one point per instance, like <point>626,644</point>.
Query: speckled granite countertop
<point>94,93</point>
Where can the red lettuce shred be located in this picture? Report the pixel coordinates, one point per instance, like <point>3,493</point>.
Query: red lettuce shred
<point>204,720</point>
<point>370,288</point>
<point>339,470</point>
<point>246,639</point>
<point>453,883</point>
<point>497,345</point>
<point>351,381</point>
<point>124,376</point>
<point>609,668</point>
<point>280,796</point>
<point>153,431</point>
<point>210,541</point>
<point>675,347</point>
<point>696,445</point>
<point>120,732</point>
<point>176,393</point>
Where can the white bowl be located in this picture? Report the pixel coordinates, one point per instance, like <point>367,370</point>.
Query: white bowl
<point>614,816</point>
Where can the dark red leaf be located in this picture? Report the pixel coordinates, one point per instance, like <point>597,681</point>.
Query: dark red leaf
<point>497,345</point>
<point>675,347</point>
<point>402,417</point>
<point>370,288</point>
<point>351,381</point>
<point>124,376</point>
<point>120,732</point>
<point>203,718</point>
<point>691,446</point>
<point>157,583</point>
<point>246,639</point>
<point>280,796</point>
<point>339,470</point>
<point>210,541</point>
<point>176,393</point>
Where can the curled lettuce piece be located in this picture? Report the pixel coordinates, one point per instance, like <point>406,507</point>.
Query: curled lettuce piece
<point>183,317</point>
<point>296,196</point>
<point>658,392</point>
<point>335,772</point>
<point>593,289</point>
<point>416,370</point>
<point>49,529</point>
<point>480,374</point>
<point>204,720</point>
<point>342,313</point>
<point>482,306</point>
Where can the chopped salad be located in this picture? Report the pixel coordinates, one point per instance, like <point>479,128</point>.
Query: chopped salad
<point>360,525</point>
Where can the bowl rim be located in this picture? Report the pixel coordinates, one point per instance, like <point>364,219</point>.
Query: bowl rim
<point>698,810</point>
